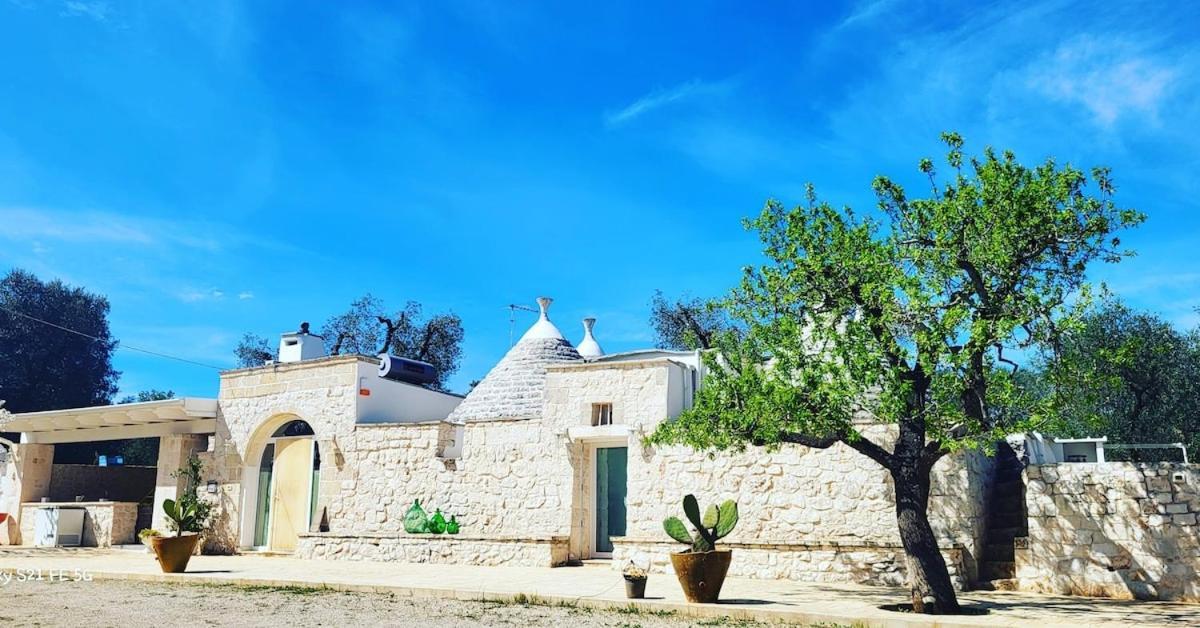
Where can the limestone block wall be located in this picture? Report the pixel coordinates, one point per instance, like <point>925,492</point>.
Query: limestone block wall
<point>513,479</point>
<point>1114,529</point>
<point>253,403</point>
<point>833,499</point>
<point>438,549</point>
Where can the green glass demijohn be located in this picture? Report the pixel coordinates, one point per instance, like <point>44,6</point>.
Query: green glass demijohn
<point>452,525</point>
<point>415,521</point>
<point>437,523</point>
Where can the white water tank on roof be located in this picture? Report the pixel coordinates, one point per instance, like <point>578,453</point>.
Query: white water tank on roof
<point>300,345</point>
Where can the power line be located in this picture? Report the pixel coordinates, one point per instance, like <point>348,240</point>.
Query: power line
<point>119,345</point>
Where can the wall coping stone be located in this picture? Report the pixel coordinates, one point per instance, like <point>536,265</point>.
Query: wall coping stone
<point>435,537</point>
<point>801,545</point>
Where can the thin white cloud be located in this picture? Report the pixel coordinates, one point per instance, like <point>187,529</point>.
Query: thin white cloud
<point>660,98</point>
<point>866,12</point>
<point>245,296</point>
<point>194,295</point>
<point>99,11</point>
<point>1108,77</point>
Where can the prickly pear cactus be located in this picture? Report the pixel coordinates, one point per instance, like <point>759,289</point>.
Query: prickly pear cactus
<point>717,523</point>
<point>415,520</point>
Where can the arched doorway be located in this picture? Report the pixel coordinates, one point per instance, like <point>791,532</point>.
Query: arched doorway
<point>286,497</point>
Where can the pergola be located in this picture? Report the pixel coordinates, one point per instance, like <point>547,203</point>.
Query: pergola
<point>189,415</point>
<point>179,424</point>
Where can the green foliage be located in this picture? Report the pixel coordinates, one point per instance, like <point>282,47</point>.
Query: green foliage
<point>148,395</point>
<point>908,318</point>
<point>686,322</point>
<point>45,367</point>
<point>253,350</point>
<point>1134,378</point>
<point>716,524</point>
<point>368,328</point>
<point>189,513</point>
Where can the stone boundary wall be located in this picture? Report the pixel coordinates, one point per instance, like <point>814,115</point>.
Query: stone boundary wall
<point>1116,529</point>
<point>437,549</point>
<point>118,484</point>
<point>861,563</point>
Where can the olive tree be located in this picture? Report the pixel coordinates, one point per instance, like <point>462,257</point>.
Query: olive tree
<point>906,317</point>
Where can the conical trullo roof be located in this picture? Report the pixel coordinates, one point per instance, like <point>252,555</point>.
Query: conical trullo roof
<point>514,388</point>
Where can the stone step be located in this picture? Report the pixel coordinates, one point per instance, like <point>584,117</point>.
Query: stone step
<point>997,570</point>
<point>999,552</point>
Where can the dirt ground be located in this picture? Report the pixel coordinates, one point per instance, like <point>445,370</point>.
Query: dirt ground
<point>121,604</point>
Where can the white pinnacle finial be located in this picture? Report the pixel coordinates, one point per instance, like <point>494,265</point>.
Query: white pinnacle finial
<point>543,328</point>
<point>588,347</point>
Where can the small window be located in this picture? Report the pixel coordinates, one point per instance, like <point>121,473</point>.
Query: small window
<point>601,414</point>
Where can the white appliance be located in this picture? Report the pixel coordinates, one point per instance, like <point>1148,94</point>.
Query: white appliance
<point>55,526</point>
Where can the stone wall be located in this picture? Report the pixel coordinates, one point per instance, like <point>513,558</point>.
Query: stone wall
<point>810,561</point>
<point>531,478</point>
<point>794,497</point>
<point>439,549</point>
<point>512,479</point>
<point>104,523</point>
<point>1114,529</point>
<point>119,484</point>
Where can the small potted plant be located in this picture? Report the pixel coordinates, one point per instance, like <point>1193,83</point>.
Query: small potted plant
<point>187,517</point>
<point>702,567</point>
<point>635,581</point>
<point>145,534</point>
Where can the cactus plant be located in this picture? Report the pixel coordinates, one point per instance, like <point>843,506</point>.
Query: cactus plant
<point>717,523</point>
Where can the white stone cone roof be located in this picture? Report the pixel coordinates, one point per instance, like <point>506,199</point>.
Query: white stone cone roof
<point>514,388</point>
<point>588,347</point>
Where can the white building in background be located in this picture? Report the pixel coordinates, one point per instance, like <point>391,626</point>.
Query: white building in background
<point>544,463</point>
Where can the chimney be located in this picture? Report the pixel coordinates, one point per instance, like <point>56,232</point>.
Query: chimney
<point>300,345</point>
<point>588,347</point>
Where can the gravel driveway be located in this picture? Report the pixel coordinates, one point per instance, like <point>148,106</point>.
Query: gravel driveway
<point>121,604</point>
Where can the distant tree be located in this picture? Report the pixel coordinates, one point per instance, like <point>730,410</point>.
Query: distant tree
<point>148,395</point>
<point>909,320</point>
<point>687,322</point>
<point>368,329</point>
<point>44,366</point>
<point>253,350</point>
<point>1135,378</point>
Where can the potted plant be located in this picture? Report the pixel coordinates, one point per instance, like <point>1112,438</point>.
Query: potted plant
<point>145,534</point>
<point>187,517</point>
<point>702,567</point>
<point>635,581</point>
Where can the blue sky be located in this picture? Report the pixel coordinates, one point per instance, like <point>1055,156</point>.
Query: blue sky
<point>221,167</point>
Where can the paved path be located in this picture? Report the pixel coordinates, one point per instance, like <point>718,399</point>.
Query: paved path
<point>763,600</point>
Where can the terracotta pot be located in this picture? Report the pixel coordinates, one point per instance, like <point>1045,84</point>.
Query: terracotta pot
<point>174,552</point>
<point>701,574</point>
<point>635,589</point>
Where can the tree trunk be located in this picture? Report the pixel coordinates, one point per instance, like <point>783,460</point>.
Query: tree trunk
<point>928,577</point>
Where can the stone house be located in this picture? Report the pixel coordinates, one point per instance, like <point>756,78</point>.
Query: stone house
<point>543,463</point>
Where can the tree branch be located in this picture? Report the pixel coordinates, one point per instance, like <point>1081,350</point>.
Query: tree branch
<point>859,444</point>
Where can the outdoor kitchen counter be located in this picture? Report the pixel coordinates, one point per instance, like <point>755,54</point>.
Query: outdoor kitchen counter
<point>104,523</point>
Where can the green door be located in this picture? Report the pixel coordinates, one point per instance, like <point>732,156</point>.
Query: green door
<point>610,496</point>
